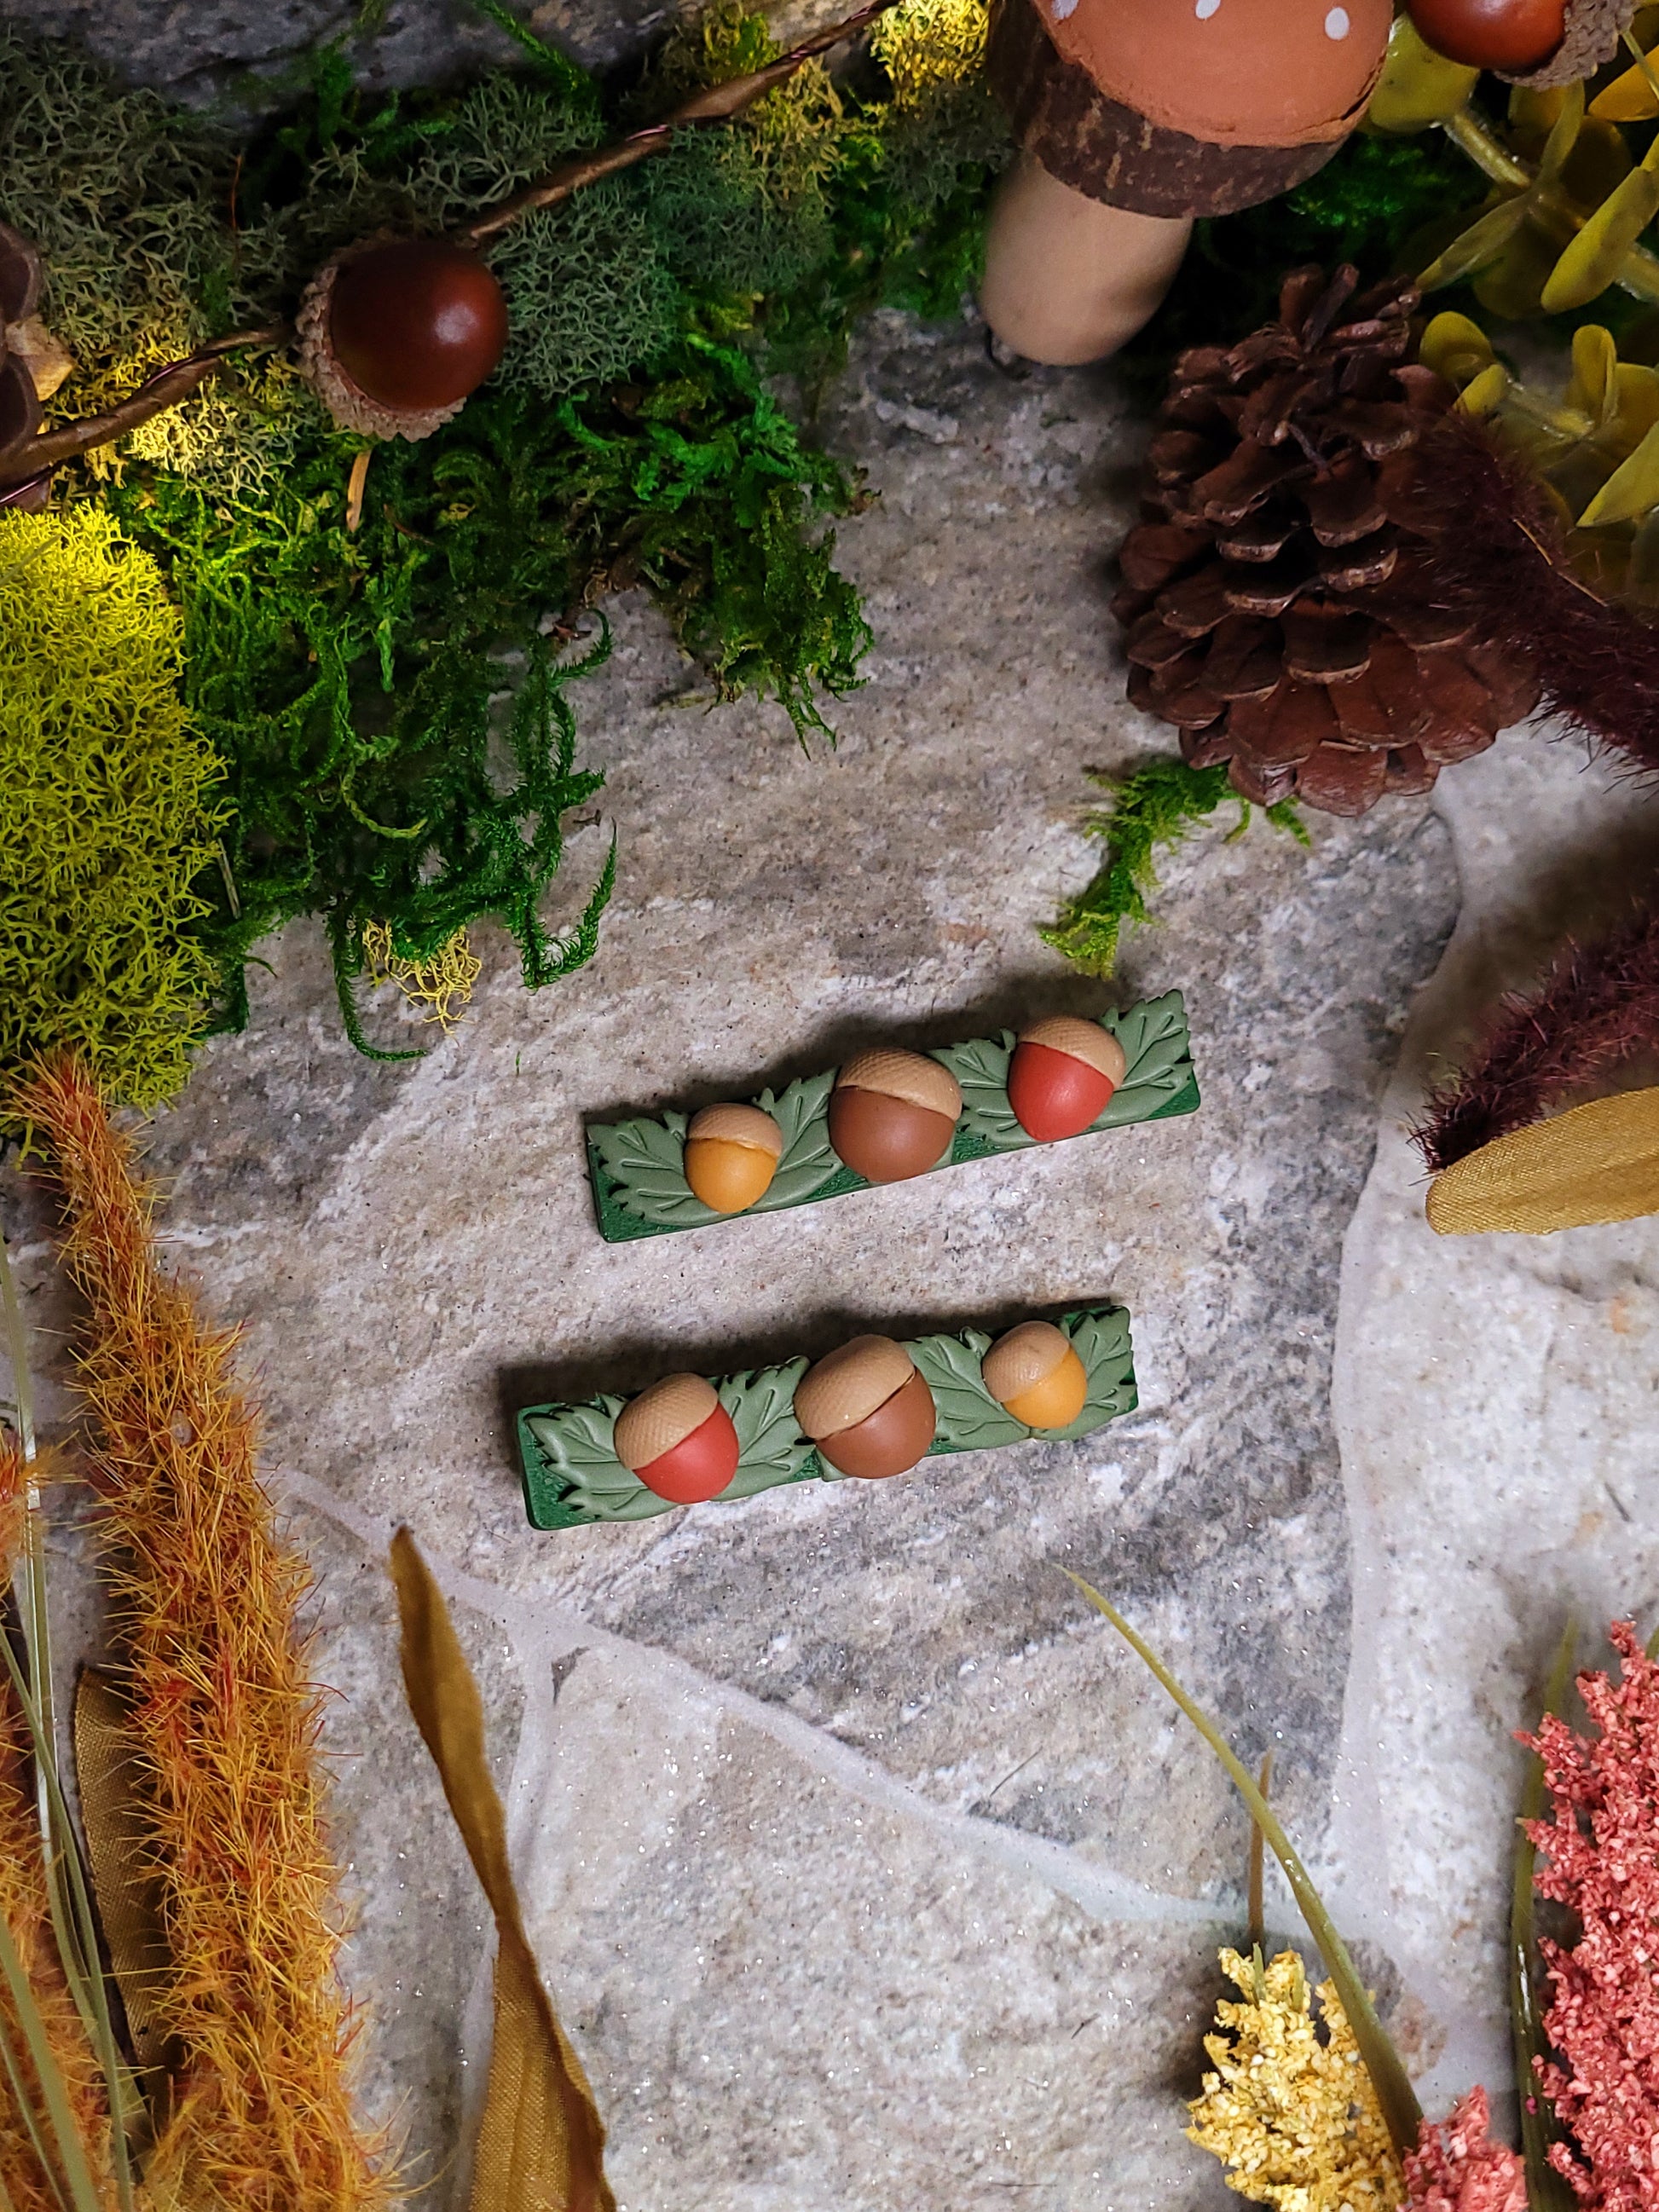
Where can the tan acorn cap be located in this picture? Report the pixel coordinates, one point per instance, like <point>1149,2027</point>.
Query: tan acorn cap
<point>911,1076</point>
<point>849,1384</point>
<point>1028,1355</point>
<point>750,1126</point>
<point>1085,1041</point>
<point>660,1418</point>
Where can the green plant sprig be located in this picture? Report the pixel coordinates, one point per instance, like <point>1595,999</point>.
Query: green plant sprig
<point>1155,807</point>
<point>1394,2094</point>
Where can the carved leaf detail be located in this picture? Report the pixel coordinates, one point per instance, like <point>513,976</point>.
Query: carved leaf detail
<point>771,1448</point>
<point>1159,1050</point>
<point>970,1418</point>
<point>802,1113</point>
<point>581,1465</point>
<point>645,1162</point>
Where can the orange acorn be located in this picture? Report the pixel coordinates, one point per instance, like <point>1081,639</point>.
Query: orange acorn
<point>1034,1373</point>
<point>1062,1076</point>
<point>732,1154</point>
<point>678,1439</point>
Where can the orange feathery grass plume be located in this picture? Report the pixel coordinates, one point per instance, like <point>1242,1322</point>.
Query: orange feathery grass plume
<point>223,1714</point>
<point>25,1907</point>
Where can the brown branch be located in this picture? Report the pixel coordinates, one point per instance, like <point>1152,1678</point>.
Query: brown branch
<point>176,381</point>
<point>718,103</point>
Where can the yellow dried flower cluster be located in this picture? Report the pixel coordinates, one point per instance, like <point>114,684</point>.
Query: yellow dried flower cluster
<point>1289,2111</point>
<point>924,44</point>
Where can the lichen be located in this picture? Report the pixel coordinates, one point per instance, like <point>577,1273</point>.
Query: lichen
<point>108,808</point>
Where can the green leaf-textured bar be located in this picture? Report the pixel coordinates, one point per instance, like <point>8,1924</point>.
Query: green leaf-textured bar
<point>637,1166</point>
<point>574,1478</point>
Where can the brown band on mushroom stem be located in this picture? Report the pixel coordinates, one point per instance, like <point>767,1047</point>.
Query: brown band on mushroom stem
<point>154,396</point>
<point>1098,146</point>
<point>717,103</point>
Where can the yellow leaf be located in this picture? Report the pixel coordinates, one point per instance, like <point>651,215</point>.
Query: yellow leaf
<point>1478,246</point>
<point>1418,87</point>
<point>1512,287</point>
<point>1486,392</point>
<point>541,2141</point>
<point>1454,346</point>
<point>1564,135</point>
<point>1631,491</point>
<point>1595,1163</point>
<point>1593,259</point>
<point>1632,98</point>
<point>1595,386</point>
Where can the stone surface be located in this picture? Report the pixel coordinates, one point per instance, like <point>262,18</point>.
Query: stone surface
<point>208,50</point>
<point>866,1868</point>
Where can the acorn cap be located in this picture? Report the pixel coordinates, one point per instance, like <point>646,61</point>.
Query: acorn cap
<point>1594,31</point>
<point>345,400</point>
<point>848,1385</point>
<point>911,1076</point>
<point>750,1126</point>
<point>660,1418</point>
<point>1028,1355</point>
<point>1085,1041</point>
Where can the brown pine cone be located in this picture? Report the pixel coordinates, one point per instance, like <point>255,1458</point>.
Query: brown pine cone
<point>1281,606</point>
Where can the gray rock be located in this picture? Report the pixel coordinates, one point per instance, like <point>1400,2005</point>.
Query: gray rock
<point>866,1866</point>
<point>254,53</point>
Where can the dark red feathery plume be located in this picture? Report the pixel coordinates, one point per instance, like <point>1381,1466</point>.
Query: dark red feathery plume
<point>1599,1009</point>
<point>1499,554</point>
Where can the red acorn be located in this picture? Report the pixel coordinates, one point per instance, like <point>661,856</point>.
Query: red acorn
<point>1062,1076</point>
<point>679,1440</point>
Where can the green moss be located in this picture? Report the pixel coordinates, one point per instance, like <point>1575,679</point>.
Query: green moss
<point>363,686</point>
<point>1156,806</point>
<point>107,810</point>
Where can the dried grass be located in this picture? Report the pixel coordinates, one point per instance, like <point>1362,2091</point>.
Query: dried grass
<point>223,1708</point>
<point>26,1909</point>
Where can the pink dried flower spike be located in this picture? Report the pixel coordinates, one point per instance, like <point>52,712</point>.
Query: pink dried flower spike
<point>1456,2167</point>
<point>1602,1852</point>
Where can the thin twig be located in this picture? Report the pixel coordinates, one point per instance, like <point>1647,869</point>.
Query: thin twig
<point>1258,1867</point>
<point>718,103</point>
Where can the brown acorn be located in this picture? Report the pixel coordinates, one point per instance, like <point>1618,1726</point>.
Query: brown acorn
<point>892,1114</point>
<point>866,1408</point>
<point>397,334</point>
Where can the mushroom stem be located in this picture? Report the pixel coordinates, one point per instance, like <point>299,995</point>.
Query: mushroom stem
<point>169,385</point>
<point>1069,278</point>
<point>718,103</point>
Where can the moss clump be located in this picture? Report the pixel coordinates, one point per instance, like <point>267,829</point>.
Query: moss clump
<point>106,810</point>
<point>357,681</point>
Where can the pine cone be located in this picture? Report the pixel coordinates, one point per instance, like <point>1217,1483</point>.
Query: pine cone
<point>1280,605</point>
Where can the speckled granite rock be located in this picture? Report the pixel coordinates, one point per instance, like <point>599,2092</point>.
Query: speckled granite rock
<point>867,1868</point>
<point>204,50</point>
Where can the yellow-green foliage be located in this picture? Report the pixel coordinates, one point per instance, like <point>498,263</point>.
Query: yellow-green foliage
<point>105,816</point>
<point>926,46</point>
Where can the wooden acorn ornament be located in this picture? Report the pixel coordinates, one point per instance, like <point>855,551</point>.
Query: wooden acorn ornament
<point>1062,1076</point>
<point>1136,116</point>
<point>867,1408</point>
<point>893,1115</point>
<point>1034,1374</point>
<point>732,1154</point>
<point>1537,43</point>
<point>678,1439</point>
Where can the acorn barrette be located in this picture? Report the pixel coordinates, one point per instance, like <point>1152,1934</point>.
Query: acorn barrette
<point>872,1408</point>
<point>890,1115</point>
